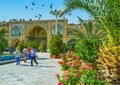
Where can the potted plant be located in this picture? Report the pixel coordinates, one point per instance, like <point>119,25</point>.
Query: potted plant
<point>56,46</point>
<point>54,52</point>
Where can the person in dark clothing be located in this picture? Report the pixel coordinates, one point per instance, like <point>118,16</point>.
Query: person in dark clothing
<point>33,56</point>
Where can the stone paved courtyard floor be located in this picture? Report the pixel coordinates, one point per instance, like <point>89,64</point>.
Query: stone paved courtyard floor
<point>24,74</point>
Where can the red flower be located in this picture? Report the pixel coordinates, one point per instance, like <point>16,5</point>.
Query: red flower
<point>62,63</point>
<point>86,67</point>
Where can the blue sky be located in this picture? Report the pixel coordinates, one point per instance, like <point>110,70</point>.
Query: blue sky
<point>16,9</point>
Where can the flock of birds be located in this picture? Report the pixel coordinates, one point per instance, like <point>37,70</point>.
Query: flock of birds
<point>43,5</point>
<point>39,15</point>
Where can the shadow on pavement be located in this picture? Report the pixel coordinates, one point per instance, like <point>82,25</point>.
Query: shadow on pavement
<point>36,66</point>
<point>43,58</point>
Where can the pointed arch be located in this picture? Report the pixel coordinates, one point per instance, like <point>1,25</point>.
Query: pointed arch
<point>37,34</point>
<point>15,42</point>
<point>35,26</point>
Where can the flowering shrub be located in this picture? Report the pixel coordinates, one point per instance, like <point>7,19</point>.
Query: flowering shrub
<point>64,65</point>
<point>78,72</point>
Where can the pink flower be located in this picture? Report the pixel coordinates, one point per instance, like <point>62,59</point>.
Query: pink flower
<point>71,64</point>
<point>67,73</point>
<point>77,75</point>
<point>60,83</point>
<point>66,78</point>
<point>57,75</point>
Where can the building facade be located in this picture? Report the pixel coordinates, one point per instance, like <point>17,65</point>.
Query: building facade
<point>39,31</point>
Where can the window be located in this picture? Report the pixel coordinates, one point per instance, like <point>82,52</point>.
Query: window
<point>59,29</point>
<point>16,31</point>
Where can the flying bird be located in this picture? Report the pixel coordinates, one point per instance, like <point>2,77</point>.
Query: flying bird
<point>51,11</point>
<point>33,3</point>
<point>43,5</point>
<point>39,16</point>
<point>36,16</point>
<point>51,5</point>
<point>26,7</point>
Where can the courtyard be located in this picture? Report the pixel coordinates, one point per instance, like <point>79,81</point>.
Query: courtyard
<point>24,74</point>
<point>82,37</point>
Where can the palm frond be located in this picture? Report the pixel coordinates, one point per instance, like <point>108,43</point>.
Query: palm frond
<point>104,12</point>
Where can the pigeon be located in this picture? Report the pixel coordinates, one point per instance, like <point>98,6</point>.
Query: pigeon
<point>39,16</point>
<point>43,5</point>
<point>36,16</point>
<point>26,7</point>
<point>51,11</point>
<point>51,5</point>
<point>33,3</point>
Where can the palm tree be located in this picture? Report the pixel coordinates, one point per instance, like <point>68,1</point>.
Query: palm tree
<point>89,36</point>
<point>89,30</point>
<point>105,12</point>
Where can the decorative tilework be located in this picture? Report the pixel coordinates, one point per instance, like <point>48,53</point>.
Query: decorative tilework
<point>43,24</point>
<point>16,29</point>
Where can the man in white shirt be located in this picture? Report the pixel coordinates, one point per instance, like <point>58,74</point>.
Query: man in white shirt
<point>17,56</point>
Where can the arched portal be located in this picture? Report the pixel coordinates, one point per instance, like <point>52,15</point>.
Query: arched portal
<point>15,42</point>
<point>39,35</point>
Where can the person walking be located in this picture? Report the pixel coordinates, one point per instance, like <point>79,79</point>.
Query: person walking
<point>25,53</point>
<point>33,56</point>
<point>17,56</point>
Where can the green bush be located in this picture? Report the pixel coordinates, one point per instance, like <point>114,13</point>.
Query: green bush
<point>54,51</point>
<point>71,48</point>
<point>3,41</point>
<point>32,44</point>
<point>56,45</point>
<point>20,46</point>
<point>88,49</point>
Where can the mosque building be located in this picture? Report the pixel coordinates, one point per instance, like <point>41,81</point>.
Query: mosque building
<point>37,30</point>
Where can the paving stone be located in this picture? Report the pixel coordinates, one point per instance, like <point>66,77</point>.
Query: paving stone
<point>24,74</point>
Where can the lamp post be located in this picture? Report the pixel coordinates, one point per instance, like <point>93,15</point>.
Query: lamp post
<point>56,14</point>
